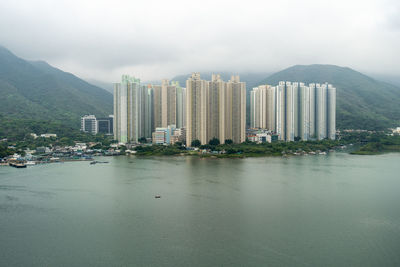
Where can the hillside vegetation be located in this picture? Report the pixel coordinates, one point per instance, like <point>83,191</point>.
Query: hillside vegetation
<point>38,91</point>
<point>362,102</point>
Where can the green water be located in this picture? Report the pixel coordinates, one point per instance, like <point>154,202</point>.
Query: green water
<point>334,210</point>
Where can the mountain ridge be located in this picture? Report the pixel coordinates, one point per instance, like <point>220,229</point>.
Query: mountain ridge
<point>36,90</point>
<point>362,101</point>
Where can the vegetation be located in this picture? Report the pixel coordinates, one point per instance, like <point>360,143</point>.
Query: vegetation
<point>36,91</point>
<point>196,143</point>
<point>214,142</point>
<point>142,140</point>
<point>160,150</point>
<point>362,102</point>
<point>379,144</point>
<point>246,149</point>
<point>371,143</point>
<point>15,136</point>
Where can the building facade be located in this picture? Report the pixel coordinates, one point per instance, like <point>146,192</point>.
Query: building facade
<point>127,110</point>
<point>215,109</point>
<point>105,125</point>
<point>89,124</point>
<point>294,110</point>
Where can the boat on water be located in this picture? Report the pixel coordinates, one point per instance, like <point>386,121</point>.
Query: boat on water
<point>95,162</point>
<point>17,165</point>
<point>157,196</point>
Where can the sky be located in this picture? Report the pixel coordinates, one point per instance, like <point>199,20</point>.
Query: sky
<point>101,40</point>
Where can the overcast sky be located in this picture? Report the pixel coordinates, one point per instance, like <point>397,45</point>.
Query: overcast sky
<point>156,39</point>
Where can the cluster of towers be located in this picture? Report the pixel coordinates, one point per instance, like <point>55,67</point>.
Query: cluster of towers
<point>215,109</point>
<point>204,109</point>
<point>139,109</point>
<point>295,110</point>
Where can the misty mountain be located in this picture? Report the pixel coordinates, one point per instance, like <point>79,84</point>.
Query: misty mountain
<point>362,102</point>
<point>103,85</point>
<point>35,90</point>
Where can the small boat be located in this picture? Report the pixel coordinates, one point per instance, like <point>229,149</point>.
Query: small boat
<point>157,196</point>
<point>18,165</point>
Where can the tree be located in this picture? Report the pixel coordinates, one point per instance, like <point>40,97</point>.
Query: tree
<point>178,143</point>
<point>196,143</point>
<point>142,140</point>
<point>214,142</point>
<point>228,141</point>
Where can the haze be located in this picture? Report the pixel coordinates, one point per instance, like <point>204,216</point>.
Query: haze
<point>155,39</point>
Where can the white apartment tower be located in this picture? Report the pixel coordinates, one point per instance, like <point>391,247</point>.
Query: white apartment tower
<point>126,110</point>
<point>294,110</point>
<point>180,105</point>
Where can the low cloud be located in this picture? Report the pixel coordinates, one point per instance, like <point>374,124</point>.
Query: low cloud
<point>156,39</point>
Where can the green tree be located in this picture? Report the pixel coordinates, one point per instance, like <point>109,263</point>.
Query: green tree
<point>196,143</point>
<point>214,142</point>
<point>228,141</point>
<point>142,140</point>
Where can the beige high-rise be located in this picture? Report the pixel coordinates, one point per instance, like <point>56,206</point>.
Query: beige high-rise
<point>215,109</point>
<point>157,107</point>
<point>196,109</point>
<point>235,108</point>
<point>168,104</point>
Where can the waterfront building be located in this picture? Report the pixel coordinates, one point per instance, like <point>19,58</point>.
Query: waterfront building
<point>48,135</point>
<point>294,110</point>
<point>168,103</point>
<point>89,124</point>
<point>178,135</point>
<point>235,110</point>
<point>157,107</point>
<point>146,111</point>
<point>180,105</point>
<point>331,109</point>
<point>162,135</point>
<point>105,125</point>
<point>196,106</point>
<point>126,110</point>
<point>215,109</point>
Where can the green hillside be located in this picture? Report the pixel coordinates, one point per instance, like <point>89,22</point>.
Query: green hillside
<point>36,91</point>
<point>362,102</point>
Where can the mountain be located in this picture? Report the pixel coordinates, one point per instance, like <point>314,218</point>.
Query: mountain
<point>103,85</point>
<point>34,90</point>
<point>362,102</point>
<point>395,80</point>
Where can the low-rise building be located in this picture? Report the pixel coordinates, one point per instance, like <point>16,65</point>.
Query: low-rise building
<point>48,135</point>
<point>162,135</point>
<point>89,124</point>
<point>105,125</point>
<point>261,135</point>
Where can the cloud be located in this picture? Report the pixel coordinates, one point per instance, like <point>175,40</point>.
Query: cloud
<point>156,39</point>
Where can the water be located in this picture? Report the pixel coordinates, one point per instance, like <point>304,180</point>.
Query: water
<point>334,210</point>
